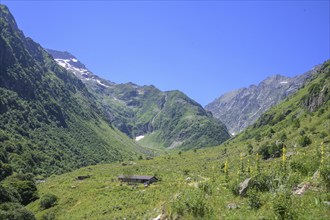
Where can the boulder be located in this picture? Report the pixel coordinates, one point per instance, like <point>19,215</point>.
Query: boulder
<point>232,206</point>
<point>326,202</point>
<point>316,175</point>
<point>188,179</point>
<point>243,186</point>
<point>301,189</point>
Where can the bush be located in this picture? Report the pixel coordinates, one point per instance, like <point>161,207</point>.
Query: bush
<point>191,202</point>
<point>250,149</point>
<point>254,200</point>
<point>282,206</point>
<point>261,182</point>
<point>15,211</point>
<point>283,137</point>
<point>48,216</point>
<point>299,166</point>
<point>5,170</point>
<point>267,151</point>
<point>296,124</point>
<point>257,137</point>
<point>263,151</point>
<point>8,195</point>
<point>25,186</point>
<point>325,174</point>
<point>205,187</point>
<point>234,188</point>
<point>275,150</point>
<point>47,201</point>
<point>304,141</point>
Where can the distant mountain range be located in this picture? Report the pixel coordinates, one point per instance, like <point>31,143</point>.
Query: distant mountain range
<point>241,108</point>
<point>155,118</point>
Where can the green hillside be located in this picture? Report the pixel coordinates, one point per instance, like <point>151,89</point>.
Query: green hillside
<point>166,119</point>
<point>285,153</point>
<point>49,122</point>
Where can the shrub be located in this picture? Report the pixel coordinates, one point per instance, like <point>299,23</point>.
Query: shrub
<point>282,206</point>
<point>263,151</point>
<point>205,187</point>
<point>283,137</point>
<point>25,187</point>
<point>250,149</point>
<point>325,174</point>
<point>191,202</point>
<point>304,141</point>
<point>261,182</point>
<point>5,170</point>
<point>47,201</point>
<point>323,134</point>
<point>298,166</point>
<point>302,132</point>
<point>15,211</point>
<point>48,216</point>
<point>296,124</point>
<point>275,150</point>
<point>257,137</point>
<point>234,188</point>
<point>8,195</point>
<point>254,200</point>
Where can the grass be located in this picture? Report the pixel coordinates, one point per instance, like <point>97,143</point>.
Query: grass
<point>193,184</point>
<point>103,197</point>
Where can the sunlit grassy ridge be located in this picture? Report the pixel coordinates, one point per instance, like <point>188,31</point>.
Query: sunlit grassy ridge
<point>203,184</point>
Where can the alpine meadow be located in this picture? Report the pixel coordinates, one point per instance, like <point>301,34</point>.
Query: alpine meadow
<point>74,145</point>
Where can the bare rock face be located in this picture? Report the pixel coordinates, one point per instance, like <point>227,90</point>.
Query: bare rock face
<point>241,108</point>
<point>243,186</point>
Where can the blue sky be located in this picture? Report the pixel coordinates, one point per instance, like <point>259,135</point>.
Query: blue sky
<point>203,48</point>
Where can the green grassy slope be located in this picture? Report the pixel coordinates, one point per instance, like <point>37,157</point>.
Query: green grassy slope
<point>203,184</point>
<point>166,119</point>
<point>49,122</point>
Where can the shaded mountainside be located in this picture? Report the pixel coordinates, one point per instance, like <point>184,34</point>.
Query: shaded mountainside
<point>164,119</point>
<point>241,108</point>
<point>49,122</point>
<point>283,159</point>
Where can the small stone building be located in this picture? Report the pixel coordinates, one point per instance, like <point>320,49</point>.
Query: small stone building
<point>138,179</point>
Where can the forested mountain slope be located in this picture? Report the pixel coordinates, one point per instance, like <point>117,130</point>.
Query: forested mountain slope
<point>49,122</point>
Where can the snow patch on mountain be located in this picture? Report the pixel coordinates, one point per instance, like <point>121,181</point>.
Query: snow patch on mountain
<point>99,82</point>
<point>139,137</point>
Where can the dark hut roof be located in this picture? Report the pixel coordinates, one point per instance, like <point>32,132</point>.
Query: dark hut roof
<point>136,177</point>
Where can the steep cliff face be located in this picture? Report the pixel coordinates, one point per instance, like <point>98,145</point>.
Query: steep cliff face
<point>241,108</point>
<point>158,119</point>
<point>318,93</point>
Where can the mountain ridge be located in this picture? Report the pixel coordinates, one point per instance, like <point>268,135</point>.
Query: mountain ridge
<point>50,123</point>
<point>242,107</point>
<point>165,119</point>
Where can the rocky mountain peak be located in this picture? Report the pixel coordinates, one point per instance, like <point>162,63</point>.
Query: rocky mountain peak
<point>240,108</point>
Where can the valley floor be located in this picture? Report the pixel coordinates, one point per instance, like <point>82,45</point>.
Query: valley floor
<point>192,185</point>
